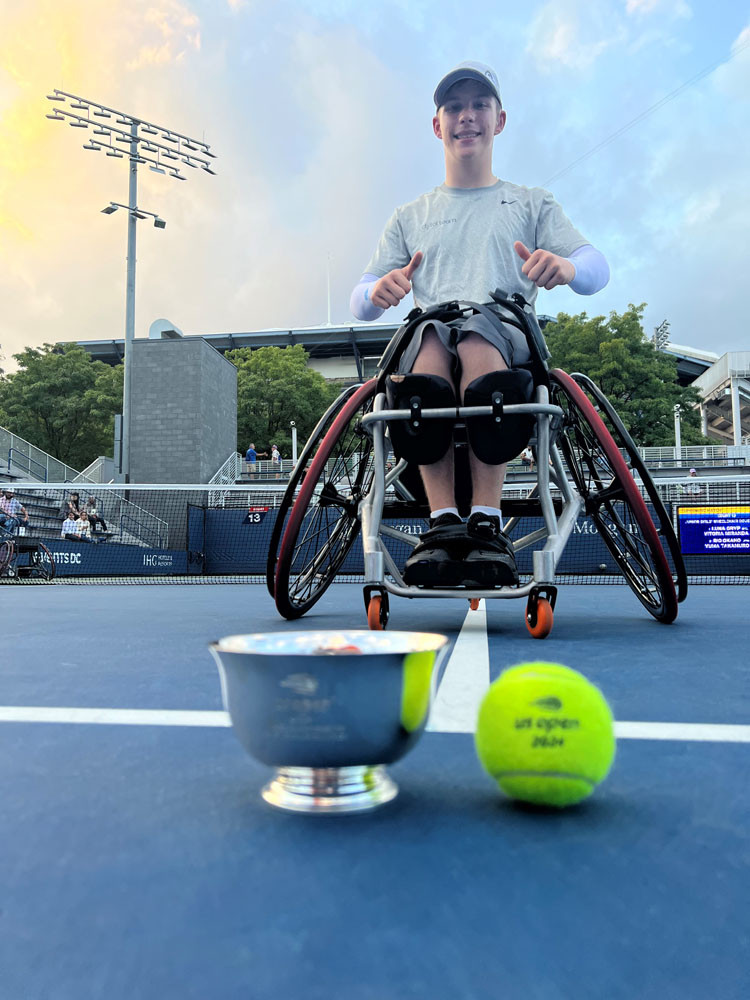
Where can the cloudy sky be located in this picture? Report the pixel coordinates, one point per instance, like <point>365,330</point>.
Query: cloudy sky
<point>320,114</point>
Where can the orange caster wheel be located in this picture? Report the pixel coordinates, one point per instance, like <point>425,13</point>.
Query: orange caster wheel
<point>373,614</point>
<point>376,603</point>
<point>542,625</point>
<point>474,603</point>
<point>539,611</point>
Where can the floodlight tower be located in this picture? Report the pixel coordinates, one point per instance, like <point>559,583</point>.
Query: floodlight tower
<point>661,335</point>
<point>164,155</point>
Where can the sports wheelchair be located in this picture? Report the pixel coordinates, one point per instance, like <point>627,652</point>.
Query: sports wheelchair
<point>38,565</point>
<point>344,482</point>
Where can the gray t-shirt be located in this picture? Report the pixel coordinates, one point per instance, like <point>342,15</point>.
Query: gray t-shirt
<point>467,236</point>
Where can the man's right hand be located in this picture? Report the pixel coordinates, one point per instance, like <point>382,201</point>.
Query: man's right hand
<point>396,285</point>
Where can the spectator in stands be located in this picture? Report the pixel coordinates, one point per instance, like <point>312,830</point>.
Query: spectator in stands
<point>70,530</point>
<point>83,527</point>
<point>691,486</point>
<point>276,460</point>
<point>71,507</point>
<point>251,456</point>
<point>93,515</point>
<point>13,514</point>
<point>527,458</point>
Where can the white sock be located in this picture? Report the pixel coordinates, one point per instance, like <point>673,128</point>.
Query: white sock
<point>494,511</point>
<point>444,510</point>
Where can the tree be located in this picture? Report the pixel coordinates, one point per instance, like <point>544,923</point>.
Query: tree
<point>274,387</point>
<point>63,402</point>
<point>640,381</point>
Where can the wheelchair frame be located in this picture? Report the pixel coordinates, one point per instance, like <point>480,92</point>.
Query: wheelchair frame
<point>41,564</point>
<point>568,427</point>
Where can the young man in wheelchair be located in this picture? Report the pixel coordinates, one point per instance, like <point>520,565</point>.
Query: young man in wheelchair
<point>471,235</point>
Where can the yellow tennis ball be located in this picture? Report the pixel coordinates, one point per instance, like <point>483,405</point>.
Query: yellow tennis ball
<point>546,734</point>
<point>416,686</point>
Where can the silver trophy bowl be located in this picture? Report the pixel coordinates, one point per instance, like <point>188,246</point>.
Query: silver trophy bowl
<point>328,710</point>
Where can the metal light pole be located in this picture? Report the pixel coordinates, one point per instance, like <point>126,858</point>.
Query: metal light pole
<point>137,135</point>
<point>661,335</point>
<point>677,432</point>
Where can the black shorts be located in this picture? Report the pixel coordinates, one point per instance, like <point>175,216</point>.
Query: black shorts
<point>510,342</point>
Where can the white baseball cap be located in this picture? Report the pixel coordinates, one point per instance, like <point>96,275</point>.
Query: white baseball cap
<point>467,71</point>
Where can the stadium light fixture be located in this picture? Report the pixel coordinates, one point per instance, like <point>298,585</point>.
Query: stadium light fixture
<point>169,145</point>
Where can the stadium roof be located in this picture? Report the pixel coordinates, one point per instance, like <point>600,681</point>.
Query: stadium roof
<point>361,340</point>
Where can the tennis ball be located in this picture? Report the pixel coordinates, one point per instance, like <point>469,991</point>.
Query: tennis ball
<point>545,734</point>
<point>416,685</point>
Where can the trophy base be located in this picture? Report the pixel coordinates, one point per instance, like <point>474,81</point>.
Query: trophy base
<point>330,789</point>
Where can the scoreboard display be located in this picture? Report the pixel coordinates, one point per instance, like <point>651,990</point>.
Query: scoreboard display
<point>714,529</point>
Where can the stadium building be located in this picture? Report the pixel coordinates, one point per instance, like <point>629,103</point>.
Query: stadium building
<point>351,353</point>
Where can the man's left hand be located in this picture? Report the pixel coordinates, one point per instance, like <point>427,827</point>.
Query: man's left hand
<point>544,268</point>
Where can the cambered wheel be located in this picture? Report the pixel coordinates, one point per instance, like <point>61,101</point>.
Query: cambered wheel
<point>539,618</point>
<point>6,556</point>
<point>612,499</point>
<point>296,479</point>
<point>324,519</point>
<point>42,564</point>
<point>635,463</point>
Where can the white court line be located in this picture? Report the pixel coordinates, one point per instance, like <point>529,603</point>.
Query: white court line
<point>466,677</point>
<point>112,716</point>
<point>689,731</point>
<point>678,731</point>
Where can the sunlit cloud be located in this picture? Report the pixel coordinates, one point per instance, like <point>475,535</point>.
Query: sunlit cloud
<point>571,34</point>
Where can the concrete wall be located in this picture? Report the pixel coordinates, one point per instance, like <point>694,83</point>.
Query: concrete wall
<point>183,421</point>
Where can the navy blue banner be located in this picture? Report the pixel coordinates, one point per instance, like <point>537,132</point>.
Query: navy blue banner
<point>227,542</point>
<point>112,559</point>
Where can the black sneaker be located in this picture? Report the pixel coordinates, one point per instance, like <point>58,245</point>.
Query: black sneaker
<point>435,561</point>
<point>491,562</point>
<point>444,520</point>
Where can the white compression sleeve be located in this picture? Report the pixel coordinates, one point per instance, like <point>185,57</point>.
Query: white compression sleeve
<point>360,304</point>
<point>592,270</point>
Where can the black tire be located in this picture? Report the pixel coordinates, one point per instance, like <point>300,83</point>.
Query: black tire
<point>612,499</point>
<point>624,442</point>
<point>295,481</point>
<point>7,552</point>
<point>324,521</point>
<point>42,564</point>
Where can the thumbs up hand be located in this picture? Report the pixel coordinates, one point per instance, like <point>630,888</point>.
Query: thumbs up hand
<point>545,269</point>
<point>396,285</point>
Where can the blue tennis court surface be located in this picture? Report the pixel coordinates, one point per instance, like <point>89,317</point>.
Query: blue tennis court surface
<point>139,860</point>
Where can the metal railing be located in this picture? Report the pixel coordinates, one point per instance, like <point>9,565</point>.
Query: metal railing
<point>16,448</point>
<point>266,469</point>
<point>29,465</point>
<point>227,475</point>
<point>695,455</point>
<point>95,472</point>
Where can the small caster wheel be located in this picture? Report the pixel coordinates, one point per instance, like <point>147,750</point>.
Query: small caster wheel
<point>474,603</point>
<point>539,618</point>
<point>376,602</point>
<point>539,610</point>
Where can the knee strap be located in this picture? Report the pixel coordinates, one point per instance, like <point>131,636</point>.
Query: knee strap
<point>498,438</point>
<point>419,440</point>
